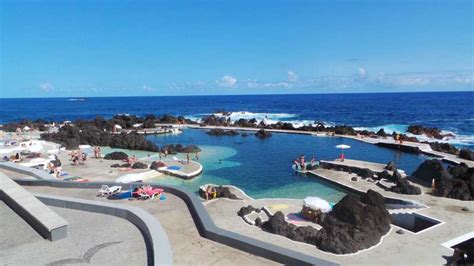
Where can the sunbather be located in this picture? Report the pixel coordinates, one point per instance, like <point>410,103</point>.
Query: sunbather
<point>211,192</point>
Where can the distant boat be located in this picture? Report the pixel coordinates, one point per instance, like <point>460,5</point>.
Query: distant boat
<point>76,99</point>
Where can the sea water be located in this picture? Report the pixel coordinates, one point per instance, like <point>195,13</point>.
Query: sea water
<point>450,111</point>
<point>262,167</point>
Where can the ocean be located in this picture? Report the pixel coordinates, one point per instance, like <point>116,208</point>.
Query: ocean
<point>450,111</point>
<point>262,168</point>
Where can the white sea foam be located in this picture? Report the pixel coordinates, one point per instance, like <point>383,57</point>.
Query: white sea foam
<point>389,129</point>
<point>455,139</point>
<point>271,118</point>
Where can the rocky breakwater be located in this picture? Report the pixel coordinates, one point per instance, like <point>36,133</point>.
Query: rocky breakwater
<point>354,224</point>
<point>263,134</point>
<point>362,172</point>
<point>222,132</point>
<point>71,136</point>
<point>430,132</point>
<point>402,186</point>
<point>39,124</point>
<point>179,148</point>
<point>456,182</point>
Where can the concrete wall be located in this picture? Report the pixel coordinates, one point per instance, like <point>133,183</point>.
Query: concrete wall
<point>203,222</point>
<point>157,244</point>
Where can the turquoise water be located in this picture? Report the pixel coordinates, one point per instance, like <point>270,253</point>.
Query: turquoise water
<point>262,168</point>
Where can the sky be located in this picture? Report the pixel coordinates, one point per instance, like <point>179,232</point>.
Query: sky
<point>139,48</point>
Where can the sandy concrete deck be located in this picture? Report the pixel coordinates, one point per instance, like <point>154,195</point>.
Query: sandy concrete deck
<point>189,248</point>
<point>395,249</point>
<point>375,167</point>
<point>22,245</point>
<point>186,171</point>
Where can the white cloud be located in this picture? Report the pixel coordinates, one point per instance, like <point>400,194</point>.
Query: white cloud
<point>360,81</point>
<point>362,73</point>
<point>228,81</point>
<point>46,86</point>
<point>148,88</point>
<point>292,77</point>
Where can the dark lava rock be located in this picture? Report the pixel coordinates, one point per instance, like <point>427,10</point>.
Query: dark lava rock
<point>344,130</point>
<point>222,132</point>
<point>391,166</point>
<point>443,147</point>
<point>458,171</point>
<point>246,210</point>
<point>431,132</point>
<point>132,141</point>
<point>384,175</point>
<point>262,133</point>
<point>214,120</point>
<point>245,123</point>
<point>456,184</point>
<point>462,255</point>
<point>404,187</point>
<point>467,154</point>
<point>354,179</point>
<point>400,231</point>
<point>365,173</point>
<point>155,165</point>
<point>115,165</point>
<point>116,155</point>
<point>139,165</point>
<point>281,125</point>
<point>429,170</point>
<point>179,148</point>
<point>277,224</point>
<point>95,133</point>
<point>222,192</point>
<point>452,188</point>
<point>354,224</point>
<point>381,133</point>
<point>395,176</point>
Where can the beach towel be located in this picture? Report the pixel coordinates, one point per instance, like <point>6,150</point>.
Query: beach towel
<point>295,218</point>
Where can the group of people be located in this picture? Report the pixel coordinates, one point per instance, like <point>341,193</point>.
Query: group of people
<point>54,169</point>
<point>78,157</point>
<point>301,164</point>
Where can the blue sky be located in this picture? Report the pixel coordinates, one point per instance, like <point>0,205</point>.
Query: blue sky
<point>125,48</point>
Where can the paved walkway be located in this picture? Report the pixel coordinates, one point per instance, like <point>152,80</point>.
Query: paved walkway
<point>109,240</point>
<point>189,248</point>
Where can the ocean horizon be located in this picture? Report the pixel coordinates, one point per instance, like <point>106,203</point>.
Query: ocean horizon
<point>452,112</point>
